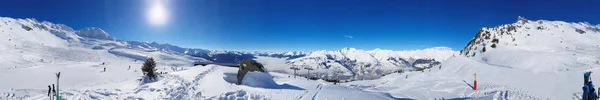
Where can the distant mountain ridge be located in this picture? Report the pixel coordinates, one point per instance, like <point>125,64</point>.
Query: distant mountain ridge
<point>350,59</point>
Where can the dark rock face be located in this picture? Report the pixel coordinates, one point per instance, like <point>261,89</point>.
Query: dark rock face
<point>248,65</point>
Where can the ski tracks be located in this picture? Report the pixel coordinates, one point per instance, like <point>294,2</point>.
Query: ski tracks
<point>185,89</point>
<point>171,87</point>
<point>314,95</point>
<point>502,93</point>
<point>319,87</point>
<point>239,95</point>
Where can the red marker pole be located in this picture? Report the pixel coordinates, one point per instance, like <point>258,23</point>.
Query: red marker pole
<point>475,82</point>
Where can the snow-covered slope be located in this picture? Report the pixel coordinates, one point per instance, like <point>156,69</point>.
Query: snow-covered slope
<point>33,51</point>
<point>94,32</point>
<point>28,43</point>
<point>530,60</point>
<point>351,63</point>
<point>202,82</point>
<point>561,46</point>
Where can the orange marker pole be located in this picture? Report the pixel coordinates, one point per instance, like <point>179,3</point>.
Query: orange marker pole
<point>475,82</point>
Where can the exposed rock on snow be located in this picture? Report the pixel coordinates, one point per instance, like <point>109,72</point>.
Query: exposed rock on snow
<point>246,66</point>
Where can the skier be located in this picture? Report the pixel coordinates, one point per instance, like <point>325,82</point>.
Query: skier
<point>49,91</point>
<point>102,63</point>
<point>129,67</point>
<point>588,88</point>
<point>104,69</point>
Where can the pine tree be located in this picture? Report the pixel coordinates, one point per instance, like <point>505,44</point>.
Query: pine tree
<point>148,68</point>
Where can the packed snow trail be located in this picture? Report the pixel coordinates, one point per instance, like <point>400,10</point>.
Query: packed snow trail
<point>176,87</point>
<point>455,80</point>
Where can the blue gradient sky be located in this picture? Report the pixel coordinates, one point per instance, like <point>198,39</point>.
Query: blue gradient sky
<point>289,25</point>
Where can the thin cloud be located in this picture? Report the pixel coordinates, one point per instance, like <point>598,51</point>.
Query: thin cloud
<point>348,36</point>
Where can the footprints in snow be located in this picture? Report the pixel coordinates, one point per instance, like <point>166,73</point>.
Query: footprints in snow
<point>503,93</point>
<point>176,87</point>
<point>239,95</point>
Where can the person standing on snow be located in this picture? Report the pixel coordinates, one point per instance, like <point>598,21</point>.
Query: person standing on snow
<point>588,88</point>
<point>129,67</point>
<point>49,91</point>
<point>104,69</point>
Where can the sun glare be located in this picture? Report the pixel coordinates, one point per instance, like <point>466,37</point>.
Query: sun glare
<point>157,14</point>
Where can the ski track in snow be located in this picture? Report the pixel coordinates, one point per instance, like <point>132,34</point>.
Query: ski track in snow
<point>496,92</point>
<point>188,89</point>
<point>319,87</point>
<point>183,90</point>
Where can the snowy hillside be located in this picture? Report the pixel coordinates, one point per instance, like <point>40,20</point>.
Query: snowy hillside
<point>351,63</point>
<point>563,46</point>
<point>28,43</point>
<point>33,51</point>
<point>94,32</point>
<point>526,60</point>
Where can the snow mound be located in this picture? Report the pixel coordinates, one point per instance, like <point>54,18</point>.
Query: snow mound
<point>259,79</point>
<point>94,32</point>
<point>240,95</point>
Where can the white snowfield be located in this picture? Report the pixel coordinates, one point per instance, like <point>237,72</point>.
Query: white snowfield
<point>351,63</point>
<point>547,64</point>
<point>540,46</point>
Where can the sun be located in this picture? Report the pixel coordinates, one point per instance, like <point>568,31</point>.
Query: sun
<point>157,14</point>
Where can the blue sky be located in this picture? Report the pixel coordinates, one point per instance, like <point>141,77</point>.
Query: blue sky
<point>290,25</point>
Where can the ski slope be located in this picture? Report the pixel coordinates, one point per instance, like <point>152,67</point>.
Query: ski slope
<point>200,82</point>
<point>537,60</point>
<point>527,44</point>
<point>455,80</point>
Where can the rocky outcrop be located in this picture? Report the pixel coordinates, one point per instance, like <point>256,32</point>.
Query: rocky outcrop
<point>246,66</point>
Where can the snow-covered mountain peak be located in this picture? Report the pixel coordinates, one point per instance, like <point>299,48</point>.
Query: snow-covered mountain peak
<point>94,32</point>
<point>372,63</point>
<point>522,20</point>
<point>439,49</point>
<point>537,39</point>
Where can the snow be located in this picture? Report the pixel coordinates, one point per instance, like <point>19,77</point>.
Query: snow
<point>556,44</point>
<point>259,79</point>
<point>351,63</point>
<point>94,32</point>
<point>547,64</point>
